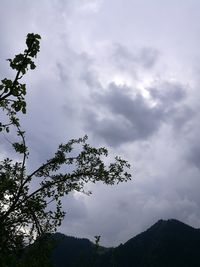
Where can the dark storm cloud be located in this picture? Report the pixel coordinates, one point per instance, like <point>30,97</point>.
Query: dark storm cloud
<point>114,131</point>
<point>134,118</point>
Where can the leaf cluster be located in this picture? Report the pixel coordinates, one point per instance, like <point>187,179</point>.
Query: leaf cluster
<point>12,92</point>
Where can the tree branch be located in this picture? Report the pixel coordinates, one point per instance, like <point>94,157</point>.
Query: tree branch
<point>3,97</point>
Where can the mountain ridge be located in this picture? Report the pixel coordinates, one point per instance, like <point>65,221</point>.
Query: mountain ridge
<point>167,243</point>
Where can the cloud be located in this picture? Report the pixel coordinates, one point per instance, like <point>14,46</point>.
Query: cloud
<point>168,92</point>
<point>193,155</point>
<point>131,118</point>
<point>190,142</point>
<point>125,58</point>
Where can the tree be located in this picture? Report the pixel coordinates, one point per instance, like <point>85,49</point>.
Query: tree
<point>24,214</point>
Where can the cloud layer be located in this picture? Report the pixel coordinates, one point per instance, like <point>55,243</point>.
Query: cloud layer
<point>127,74</point>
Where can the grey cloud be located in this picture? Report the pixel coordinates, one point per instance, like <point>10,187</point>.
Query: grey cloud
<point>133,118</point>
<point>180,117</point>
<point>74,207</point>
<point>168,92</point>
<point>191,146</point>
<point>193,156</point>
<point>171,96</point>
<point>76,66</point>
<point>148,57</point>
<point>125,58</point>
<point>114,130</point>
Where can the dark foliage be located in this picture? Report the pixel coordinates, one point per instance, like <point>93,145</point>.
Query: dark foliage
<point>25,215</point>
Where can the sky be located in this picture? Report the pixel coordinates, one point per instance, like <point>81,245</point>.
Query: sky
<point>127,74</point>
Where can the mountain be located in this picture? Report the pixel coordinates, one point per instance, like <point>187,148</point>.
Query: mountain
<point>168,243</point>
<point>71,251</point>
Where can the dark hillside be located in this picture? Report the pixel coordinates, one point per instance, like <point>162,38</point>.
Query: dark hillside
<point>166,244</point>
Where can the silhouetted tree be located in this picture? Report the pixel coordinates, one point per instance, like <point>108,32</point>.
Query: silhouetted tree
<point>25,214</point>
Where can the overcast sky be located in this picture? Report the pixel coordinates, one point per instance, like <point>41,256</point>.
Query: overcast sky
<point>127,73</point>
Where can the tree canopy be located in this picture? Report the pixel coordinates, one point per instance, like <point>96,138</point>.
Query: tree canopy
<point>24,210</point>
